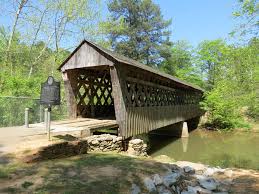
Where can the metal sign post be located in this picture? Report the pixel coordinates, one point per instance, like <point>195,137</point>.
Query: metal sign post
<point>48,123</point>
<point>50,96</point>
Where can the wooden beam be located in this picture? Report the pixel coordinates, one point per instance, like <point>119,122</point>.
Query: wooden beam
<point>119,95</point>
<point>135,80</point>
<point>70,81</point>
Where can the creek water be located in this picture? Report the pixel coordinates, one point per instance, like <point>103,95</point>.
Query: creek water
<point>224,149</point>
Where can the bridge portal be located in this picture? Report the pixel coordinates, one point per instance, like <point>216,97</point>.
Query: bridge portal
<point>102,84</point>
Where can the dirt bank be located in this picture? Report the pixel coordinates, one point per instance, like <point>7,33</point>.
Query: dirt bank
<point>103,173</point>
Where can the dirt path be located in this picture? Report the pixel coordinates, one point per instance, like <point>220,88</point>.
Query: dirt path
<point>12,137</point>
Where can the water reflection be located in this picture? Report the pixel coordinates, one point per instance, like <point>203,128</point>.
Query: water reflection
<point>210,147</point>
<point>184,143</point>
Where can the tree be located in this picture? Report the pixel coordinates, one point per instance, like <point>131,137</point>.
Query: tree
<point>137,29</point>
<point>20,5</point>
<point>247,15</point>
<point>50,22</point>
<point>233,90</point>
<point>181,63</point>
<point>210,58</point>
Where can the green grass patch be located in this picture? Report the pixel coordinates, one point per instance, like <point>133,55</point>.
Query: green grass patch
<point>90,173</point>
<point>27,184</point>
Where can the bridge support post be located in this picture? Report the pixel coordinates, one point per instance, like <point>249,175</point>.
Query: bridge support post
<point>185,132</point>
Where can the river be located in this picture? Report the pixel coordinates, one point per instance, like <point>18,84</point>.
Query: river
<point>224,149</point>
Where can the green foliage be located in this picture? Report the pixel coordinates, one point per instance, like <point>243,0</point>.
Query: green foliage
<point>27,184</point>
<point>137,29</point>
<point>209,60</point>
<point>181,63</point>
<point>234,88</point>
<point>19,79</point>
<point>247,13</point>
<point>223,107</point>
<point>31,50</point>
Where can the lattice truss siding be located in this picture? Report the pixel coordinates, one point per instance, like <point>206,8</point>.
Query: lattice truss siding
<point>94,93</point>
<point>153,102</point>
<point>145,91</point>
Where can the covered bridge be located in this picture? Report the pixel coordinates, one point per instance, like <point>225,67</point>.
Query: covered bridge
<point>102,84</point>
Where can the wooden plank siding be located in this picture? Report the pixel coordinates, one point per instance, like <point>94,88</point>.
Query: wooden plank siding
<point>152,102</point>
<point>142,120</point>
<point>101,83</point>
<point>85,56</point>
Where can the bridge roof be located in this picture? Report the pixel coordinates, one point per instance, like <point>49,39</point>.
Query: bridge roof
<point>115,57</point>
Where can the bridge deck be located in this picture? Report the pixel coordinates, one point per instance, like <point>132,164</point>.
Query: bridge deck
<point>19,138</point>
<point>85,125</point>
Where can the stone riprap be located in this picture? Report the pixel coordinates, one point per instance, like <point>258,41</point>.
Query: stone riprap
<point>98,143</point>
<point>104,143</point>
<point>187,179</point>
<point>137,147</point>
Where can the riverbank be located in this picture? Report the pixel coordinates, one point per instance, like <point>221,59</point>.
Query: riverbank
<point>216,148</point>
<point>119,173</point>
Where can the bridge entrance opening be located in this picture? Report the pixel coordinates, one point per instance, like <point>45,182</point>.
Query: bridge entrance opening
<point>92,92</point>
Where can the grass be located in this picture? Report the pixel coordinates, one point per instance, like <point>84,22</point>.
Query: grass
<point>90,173</point>
<point>27,184</point>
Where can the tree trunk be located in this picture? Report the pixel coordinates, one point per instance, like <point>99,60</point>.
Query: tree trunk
<point>18,12</point>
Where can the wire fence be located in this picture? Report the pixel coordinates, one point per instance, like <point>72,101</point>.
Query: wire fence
<point>12,111</point>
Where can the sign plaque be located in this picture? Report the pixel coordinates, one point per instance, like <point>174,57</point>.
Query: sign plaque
<point>50,92</point>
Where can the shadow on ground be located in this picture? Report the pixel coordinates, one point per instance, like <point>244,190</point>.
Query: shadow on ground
<point>66,137</point>
<point>90,173</point>
<point>245,184</point>
<point>5,158</point>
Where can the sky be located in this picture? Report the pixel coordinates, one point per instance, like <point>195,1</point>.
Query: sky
<point>198,20</point>
<point>192,20</point>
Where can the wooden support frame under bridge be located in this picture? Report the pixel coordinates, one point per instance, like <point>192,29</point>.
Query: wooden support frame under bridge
<point>102,84</point>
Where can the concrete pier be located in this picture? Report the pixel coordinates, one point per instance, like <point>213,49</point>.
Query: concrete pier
<point>185,132</point>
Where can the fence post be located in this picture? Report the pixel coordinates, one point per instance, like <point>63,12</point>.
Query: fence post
<point>46,118</point>
<point>40,113</point>
<point>48,131</point>
<point>27,117</point>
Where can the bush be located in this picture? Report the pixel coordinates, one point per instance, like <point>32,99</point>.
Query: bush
<point>224,107</point>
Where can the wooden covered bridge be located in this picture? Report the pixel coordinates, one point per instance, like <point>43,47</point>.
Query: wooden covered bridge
<point>102,84</point>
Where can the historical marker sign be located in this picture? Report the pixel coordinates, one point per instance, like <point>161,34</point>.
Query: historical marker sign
<point>50,92</point>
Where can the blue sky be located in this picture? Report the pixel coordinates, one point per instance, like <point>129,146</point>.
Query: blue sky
<point>197,20</point>
<point>192,20</point>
